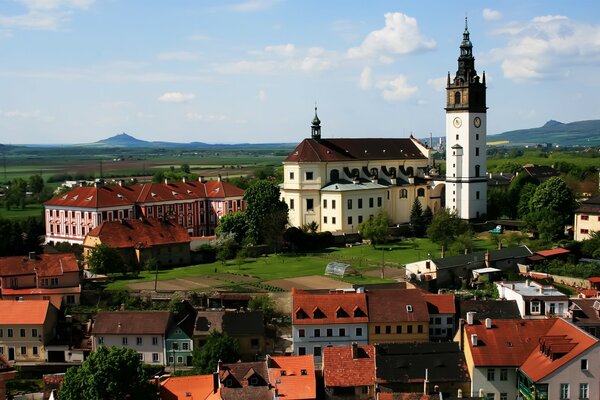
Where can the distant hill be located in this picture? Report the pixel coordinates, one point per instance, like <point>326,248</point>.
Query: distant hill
<point>579,133</point>
<point>125,140</point>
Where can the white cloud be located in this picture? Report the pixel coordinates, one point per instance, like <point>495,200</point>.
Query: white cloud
<point>438,84</point>
<point>194,116</point>
<point>176,97</point>
<point>178,56</point>
<point>262,95</point>
<point>252,5</point>
<point>547,47</point>
<point>397,89</point>
<point>284,50</point>
<point>18,114</point>
<point>491,15</point>
<point>365,80</point>
<point>399,36</point>
<point>44,14</point>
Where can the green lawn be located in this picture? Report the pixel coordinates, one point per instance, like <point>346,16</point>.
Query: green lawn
<point>31,210</point>
<point>362,258</point>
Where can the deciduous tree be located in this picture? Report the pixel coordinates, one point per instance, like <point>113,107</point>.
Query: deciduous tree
<point>446,227</point>
<point>218,346</point>
<point>234,223</point>
<point>266,214</point>
<point>103,259</point>
<point>376,228</point>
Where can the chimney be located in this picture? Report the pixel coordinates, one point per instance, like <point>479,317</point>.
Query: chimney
<point>32,255</point>
<point>474,340</point>
<point>216,382</point>
<point>122,308</point>
<point>487,259</point>
<point>99,183</point>
<point>184,179</point>
<point>354,350</point>
<point>219,178</point>
<point>121,182</point>
<point>527,283</point>
<point>488,323</point>
<point>200,179</point>
<point>471,317</point>
<point>166,181</point>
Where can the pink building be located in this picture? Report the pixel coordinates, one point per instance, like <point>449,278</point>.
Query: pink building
<point>195,205</point>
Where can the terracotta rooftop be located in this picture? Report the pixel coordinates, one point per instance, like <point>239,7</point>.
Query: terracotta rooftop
<point>540,172</point>
<point>440,303</point>
<point>399,305</point>
<point>140,233</point>
<point>341,369</point>
<point>311,150</point>
<point>131,323</point>
<point>245,381</point>
<point>97,196</point>
<point>585,311</point>
<point>199,387</point>
<point>293,376</point>
<point>553,252</point>
<point>562,343</point>
<point>26,312</point>
<point>44,265</point>
<point>337,307</point>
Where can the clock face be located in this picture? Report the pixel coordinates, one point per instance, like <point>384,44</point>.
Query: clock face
<point>457,122</point>
<point>477,122</point>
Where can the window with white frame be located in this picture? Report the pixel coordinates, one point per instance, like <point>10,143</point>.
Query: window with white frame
<point>535,307</point>
<point>565,391</point>
<point>584,391</point>
<point>155,357</point>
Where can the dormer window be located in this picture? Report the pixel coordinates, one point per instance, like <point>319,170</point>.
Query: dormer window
<point>253,381</point>
<point>409,308</point>
<point>341,313</point>
<point>303,372</point>
<point>358,313</point>
<point>283,373</point>
<point>300,314</point>
<point>228,382</point>
<point>318,314</point>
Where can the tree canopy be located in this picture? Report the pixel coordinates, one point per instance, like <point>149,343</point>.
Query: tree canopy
<point>266,214</point>
<point>234,223</point>
<point>554,194</point>
<point>446,227</point>
<point>108,374</point>
<point>417,220</point>
<point>376,228</point>
<point>218,346</point>
<point>103,259</point>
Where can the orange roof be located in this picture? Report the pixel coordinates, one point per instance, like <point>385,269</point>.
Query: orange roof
<point>397,305</point>
<point>287,376</point>
<point>562,343</point>
<point>340,369</point>
<point>440,303</point>
<point>507,343</point>
<point>199,387</point>
<point>97,197</point>
<point>329,308</point>
<point>553,252</point>
<point>217,189</point>
<point>140,233</point>
<point>44,265</point>
<point>27,312</point>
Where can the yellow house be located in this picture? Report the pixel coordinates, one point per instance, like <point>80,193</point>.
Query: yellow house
<point>26,327</point>
<point>397,316</point>
<point>587,219</point>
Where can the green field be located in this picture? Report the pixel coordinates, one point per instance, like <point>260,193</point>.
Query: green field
<point>31,210</point>
<point>540,158</point>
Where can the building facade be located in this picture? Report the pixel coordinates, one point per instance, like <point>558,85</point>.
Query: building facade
<point>534,299</point>
<point>587,219</point>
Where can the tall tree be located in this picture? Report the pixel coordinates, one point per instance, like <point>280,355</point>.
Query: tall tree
<point>446,227</point>
<point>417,222</point>
<point>376,228</point>
<point>108,374</point>
<point>266,214</point>
<point>103,259</point>
<point>218,346</point>
<point>555,195</point>
<point>234,223</point>
<point>427,217</point>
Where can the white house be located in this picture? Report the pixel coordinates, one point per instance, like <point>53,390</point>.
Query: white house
<point>534,299</point>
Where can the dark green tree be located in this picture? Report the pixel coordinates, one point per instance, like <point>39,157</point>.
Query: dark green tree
<point>108,374</point>
<point>266,214</point>
<point>427,217</point>
<point>185,168</point>
<point>218,346</point>
<point>36,184</point>
<point>103,259</point>
<point>376,229</point>
<point>546,223</point>
<point>446,227</point>
<point>524,200</point>
<point>234,223</point>
<point>555,195</point>
<point>417,222</point>
<point>264,303</point>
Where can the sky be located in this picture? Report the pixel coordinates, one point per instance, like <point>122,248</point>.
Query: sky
<point>238,71</point>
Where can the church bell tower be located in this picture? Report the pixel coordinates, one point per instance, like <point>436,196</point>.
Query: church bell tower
<point>466,182</point>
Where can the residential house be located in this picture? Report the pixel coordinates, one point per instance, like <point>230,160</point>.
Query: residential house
<point>540,173</point>
<point>534,299</point>
<point>180,341</point>
<point>587,218</point>
<point>442,315</point>
<point>53,277</point>
<point>585,314</point>
<point>247,327</point>
<point>494,309</point>
<point>323,319</point>
<point>349,372</point>
<point>143,331</point>
<point>499,181</point>
<point>452,270</point>
<point>293,377</point>
<point>427,368</point>
<point>26,328</point>
<point>397,316</point>
<point>141,240</point>
<point>195,387</point>
<point>7,373</point>
<point>245,380</point>
<point>197,206</point>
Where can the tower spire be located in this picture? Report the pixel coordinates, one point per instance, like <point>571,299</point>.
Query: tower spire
<point>316,126</point>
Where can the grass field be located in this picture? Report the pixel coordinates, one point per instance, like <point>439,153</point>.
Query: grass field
<point>539,158</point>
<point>362,257</point>
<point>31,210</point>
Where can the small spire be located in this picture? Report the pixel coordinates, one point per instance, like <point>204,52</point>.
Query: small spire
<point>466,23</point>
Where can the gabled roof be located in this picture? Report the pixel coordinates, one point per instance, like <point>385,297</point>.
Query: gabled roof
<point>24,312</point>
<point>243,389</point>
<point>320,307</point>
<point>507,344</point>
<point>561,344</point>
<point>43,265</point>
<point>407,362</point>
<point>234,323</point>
<point>540,172</point>
<point>397,305</point>
<point>553,252</point>
<point>140,233</point>
<point>342,370</point>
<point>477,259</point>
<point>311,150</point>
<point>132,323</point>
<point>494,309</point>
<point>293,376</point>
<point>440,303</point>
<point>97,196</point>
<point>189,387</point>
<point>590,206</point>
<point>586,311</point>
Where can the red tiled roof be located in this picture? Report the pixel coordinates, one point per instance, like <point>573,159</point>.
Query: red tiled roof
<point>440,303</point>
<point>311,150</point>
<point>563,340</point>
<point>327,304</point>
<point>507,343</point>
<point>340,369</point>
<point>44,265</point>
<point>131,323</point>
<point>97,197</point>
<point>42,291</point>
<point>216,189</point>
<point>140,233</point>
<point>199,387</point>
<point>293,384</point>
<point>553,252</point>
<point>26,312</point>
<point>594,279</point>
<point>392,305</point>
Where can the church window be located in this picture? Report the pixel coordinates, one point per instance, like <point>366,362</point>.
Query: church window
<point>477,170</point>
<point>403,193</point>
<point>476,151</point>
<point>420,192</point>
<point>334,175</point>
<point>477,195</point>
<point>456,137</point>
<point>291,176</point>
<point>309,176</point>
<point>310,204</point>
<point>457,98</point>
<point>291,204</point>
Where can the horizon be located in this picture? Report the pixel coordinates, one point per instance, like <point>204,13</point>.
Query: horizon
<point>250,71</point>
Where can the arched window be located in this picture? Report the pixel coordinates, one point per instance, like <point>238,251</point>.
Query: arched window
<point>456,97</point>
<point>334,175</point>
<point>355,173</point>
<point>374,172</point>
<point>392,172</point>
<point>477,170</point>
<point>409,171</point>
<point>403,193</point>
<point>420,192</point>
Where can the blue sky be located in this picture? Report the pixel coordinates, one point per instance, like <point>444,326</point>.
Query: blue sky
<point>76,71</point>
